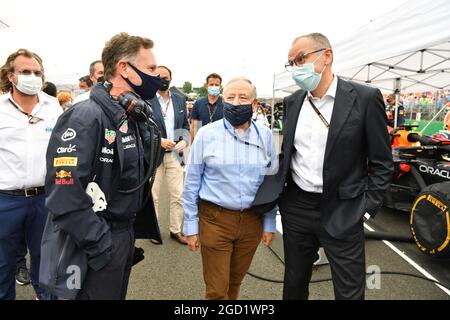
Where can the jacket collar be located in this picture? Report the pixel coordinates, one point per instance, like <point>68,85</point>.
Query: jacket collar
<point>112,108</point>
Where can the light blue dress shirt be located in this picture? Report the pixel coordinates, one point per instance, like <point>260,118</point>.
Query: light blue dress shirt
<point>227,170</point>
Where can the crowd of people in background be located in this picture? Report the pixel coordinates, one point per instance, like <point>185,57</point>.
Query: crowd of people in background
<point>422,100</point>
<point>178,121</point>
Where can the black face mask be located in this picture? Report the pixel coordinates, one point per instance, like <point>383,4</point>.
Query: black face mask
<point>150,84</point>
<point>164,84</point>
<point>237,115</point>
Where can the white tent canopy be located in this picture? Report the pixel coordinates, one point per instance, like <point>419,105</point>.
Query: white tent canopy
<point>407,49</point>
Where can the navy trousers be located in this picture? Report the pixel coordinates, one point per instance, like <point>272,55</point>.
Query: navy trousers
<point>21,253</point>
<point>20,217</point>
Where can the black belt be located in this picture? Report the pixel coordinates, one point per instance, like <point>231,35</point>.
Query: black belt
<point>30,192</point>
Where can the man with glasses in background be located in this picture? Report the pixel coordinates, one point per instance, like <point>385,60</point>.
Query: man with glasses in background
<point>337,163</point>
<point>169,110</point>
<point>27,117</point>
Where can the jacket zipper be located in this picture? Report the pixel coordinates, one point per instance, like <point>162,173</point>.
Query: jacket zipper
<point>63,251</point>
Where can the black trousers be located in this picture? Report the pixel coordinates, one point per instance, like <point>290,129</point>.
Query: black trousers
<point>111,282</point>
<point>303,234</point>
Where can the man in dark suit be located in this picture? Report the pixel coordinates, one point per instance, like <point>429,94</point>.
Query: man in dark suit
<point>335,165</point>
<point>171,117</point>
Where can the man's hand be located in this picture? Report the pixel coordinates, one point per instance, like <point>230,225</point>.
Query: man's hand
<point>167,144</point>
<point>268,237</point>
<point>180,146</point>
<point>193,243</point>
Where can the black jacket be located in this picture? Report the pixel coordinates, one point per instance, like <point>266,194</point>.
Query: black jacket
<point>181,125</point>
<point>358,163</point>
<point>87,144</point>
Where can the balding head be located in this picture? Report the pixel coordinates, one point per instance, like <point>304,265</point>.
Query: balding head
<point>238,90</point>
<point>318,40</point>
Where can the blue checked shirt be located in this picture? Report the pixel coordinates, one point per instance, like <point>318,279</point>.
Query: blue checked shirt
<point>227,169</point>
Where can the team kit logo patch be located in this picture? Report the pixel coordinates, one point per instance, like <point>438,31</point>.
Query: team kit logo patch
<point>110,136</point>
<point>65,162</point>
<point>63,177</point>
<point>69,134</point>
<point>124,127</point>
<point>71,148</point>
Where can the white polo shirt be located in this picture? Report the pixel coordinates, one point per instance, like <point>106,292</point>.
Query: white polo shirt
<point>23,145</point>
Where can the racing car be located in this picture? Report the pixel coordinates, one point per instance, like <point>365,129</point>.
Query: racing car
<point>421,186</point>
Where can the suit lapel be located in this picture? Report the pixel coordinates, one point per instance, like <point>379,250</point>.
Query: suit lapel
<point>175,111</point>
<point>343,104</point>
<point>157,110</point>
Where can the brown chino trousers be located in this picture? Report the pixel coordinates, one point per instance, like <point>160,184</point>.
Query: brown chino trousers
<point>228,240</point>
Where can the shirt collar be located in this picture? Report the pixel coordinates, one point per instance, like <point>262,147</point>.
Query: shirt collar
<point>161,97</point>
<point>332,88</point>
<point>232,129</point>
<point>331,92</point>
<point>218,102</point>
<point>43,99</point>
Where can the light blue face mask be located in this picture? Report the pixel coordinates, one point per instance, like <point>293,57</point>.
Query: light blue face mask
<point>214,91</point>
<point>306,77</point>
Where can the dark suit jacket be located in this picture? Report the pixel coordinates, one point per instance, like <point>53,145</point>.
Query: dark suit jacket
<point>358,163</point>
<point>181,126</point>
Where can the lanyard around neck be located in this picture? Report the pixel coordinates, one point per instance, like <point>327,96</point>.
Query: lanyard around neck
<point>211,115</point>
<point>325,122</point>
<point>236,138</point>
<point>31,119</point>
<point>164,112</point>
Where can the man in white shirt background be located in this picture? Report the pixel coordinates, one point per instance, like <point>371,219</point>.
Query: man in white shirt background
<point>27,117</point>
<point>96,71</point>
<point>170,114</point>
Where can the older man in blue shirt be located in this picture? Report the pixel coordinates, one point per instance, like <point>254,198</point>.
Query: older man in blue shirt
<point>228,161</point>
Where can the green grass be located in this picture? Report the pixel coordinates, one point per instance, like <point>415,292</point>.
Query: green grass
<point>434,126</point>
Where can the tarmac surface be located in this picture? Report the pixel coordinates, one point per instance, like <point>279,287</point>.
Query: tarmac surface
<point>171,272</point>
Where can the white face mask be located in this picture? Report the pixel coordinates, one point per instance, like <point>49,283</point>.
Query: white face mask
<point>29,84</point>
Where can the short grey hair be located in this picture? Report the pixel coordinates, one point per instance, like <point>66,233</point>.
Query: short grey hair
<point>319,40</point>
<point>254,94</point>
<point>92,66</point>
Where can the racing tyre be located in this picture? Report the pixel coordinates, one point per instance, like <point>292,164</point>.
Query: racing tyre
<point>430,220</point>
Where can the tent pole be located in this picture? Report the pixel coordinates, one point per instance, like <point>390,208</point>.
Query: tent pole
<point>397,86</point>
<point>273,102</point>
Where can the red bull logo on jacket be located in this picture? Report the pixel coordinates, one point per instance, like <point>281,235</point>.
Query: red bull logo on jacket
<point>63,177</point>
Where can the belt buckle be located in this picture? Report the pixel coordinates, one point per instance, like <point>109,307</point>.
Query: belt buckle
<point>31,195</point>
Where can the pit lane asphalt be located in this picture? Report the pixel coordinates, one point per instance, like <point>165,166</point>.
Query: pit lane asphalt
<point>171,271</point>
